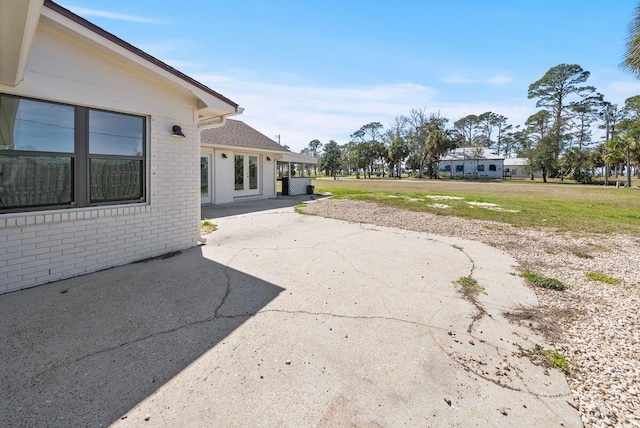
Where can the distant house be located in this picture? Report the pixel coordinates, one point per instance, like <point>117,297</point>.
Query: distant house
<point>99,148</point>
<point>471,162</point>
<point>518,168</point>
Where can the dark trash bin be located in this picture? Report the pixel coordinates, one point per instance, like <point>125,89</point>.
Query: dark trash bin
<point>310,189</point>
<point>285,186</point>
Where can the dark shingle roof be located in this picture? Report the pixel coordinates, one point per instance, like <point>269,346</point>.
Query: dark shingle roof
<point>239,134</point>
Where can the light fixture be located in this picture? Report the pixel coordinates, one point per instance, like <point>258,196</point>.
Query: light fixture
<point>177,131</point>
<point>268,158</point>
<point>224,156</point>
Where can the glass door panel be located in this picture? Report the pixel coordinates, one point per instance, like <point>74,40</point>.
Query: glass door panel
<point>239,172</point>
<point>253,173</point>
<point>205,179</point>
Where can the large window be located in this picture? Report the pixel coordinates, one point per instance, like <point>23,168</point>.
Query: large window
<point>62,156</point>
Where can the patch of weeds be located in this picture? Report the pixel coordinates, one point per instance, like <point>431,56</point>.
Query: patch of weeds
<point>300,208</point>
<point>546,358</point>
<point>470,286</point>
<point>601,277</point>
<point>543,281</point>
<point>207,227</point>
<point>582,255</point>
<point>557,359</point>
<point>470,290</point>
<point>488,227</point>
<point>549,251</point>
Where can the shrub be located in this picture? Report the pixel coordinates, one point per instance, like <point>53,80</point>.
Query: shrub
<point>582,255</point>
<point>601,277</point>
<point>556,359</point>
<point>543,281</point>
<point>582,177</point>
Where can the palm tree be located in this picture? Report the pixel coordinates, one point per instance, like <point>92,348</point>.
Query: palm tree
<point>624,144</point>
<point>631,58</point>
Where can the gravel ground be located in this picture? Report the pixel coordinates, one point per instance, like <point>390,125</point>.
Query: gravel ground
<point>594,325</point>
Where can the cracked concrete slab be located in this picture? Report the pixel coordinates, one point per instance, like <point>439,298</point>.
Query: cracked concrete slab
<point>370,330</point>
<point>286,320</point>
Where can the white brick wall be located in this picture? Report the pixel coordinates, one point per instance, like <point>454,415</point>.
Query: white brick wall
<point>41,247</point>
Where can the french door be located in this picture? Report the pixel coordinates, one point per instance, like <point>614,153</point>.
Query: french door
<point>246,174</point>
<point>206,179</point>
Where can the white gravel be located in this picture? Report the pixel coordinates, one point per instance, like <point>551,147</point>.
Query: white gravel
<point>594,325</point>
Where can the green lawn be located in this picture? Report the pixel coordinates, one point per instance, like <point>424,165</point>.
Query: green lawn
<point>570,207</point>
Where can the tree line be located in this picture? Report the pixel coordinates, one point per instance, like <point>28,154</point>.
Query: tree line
<point>557,141</point>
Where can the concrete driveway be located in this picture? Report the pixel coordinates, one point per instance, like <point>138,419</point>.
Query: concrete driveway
<point>282,320</point>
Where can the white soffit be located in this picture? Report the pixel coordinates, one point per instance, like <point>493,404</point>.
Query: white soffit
<point>18,25</point>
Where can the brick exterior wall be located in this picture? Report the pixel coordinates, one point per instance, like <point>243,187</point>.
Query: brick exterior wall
<point>45,246</point>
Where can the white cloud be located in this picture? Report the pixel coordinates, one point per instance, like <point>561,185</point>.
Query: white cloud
<point>301,113</point>
<point>500,79</point>
<point>618,91</point>
<point>84,12</point>
<point>496,79</point>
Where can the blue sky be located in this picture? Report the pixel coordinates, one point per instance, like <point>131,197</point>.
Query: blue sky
<point>322,69</point>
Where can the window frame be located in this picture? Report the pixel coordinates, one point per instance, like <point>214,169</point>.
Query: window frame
<point>81,161</point>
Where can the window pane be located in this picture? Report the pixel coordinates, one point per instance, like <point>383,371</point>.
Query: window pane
<point>204,176</point>
<point>239,172</point>
<point>30,181</point>
<point>35,125</point>
<point>253,172</point>
<point>115,134</point>
<point>116,180</point>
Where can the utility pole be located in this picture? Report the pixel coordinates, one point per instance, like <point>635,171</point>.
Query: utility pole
<point>278,137</point>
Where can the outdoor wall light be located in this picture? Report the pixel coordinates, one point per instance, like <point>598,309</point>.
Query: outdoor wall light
<point>224,156</point>
<point>177,131</point>
<point>268,158</point>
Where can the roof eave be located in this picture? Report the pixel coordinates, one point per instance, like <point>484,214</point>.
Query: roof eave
<point>243,148</point>
<point>18,24</point>
<point>211,103</point>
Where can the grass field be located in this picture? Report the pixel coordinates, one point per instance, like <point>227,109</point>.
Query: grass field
<point>569,207</point>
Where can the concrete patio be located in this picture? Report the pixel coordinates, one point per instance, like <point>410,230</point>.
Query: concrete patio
<point>286,320</point>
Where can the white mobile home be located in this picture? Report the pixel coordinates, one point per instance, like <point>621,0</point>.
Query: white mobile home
<point>474,162</point>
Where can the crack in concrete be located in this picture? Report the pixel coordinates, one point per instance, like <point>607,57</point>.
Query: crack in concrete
<point>355,317</point>
<point>226,293</point>
<point>452,355</point>
<point>159,333</point>
<point>480,310</point>
<point>131,342</point>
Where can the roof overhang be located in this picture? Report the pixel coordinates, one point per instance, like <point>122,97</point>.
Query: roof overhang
<point>298,158</point>
<point>18,25</point>
<point>243,149</point>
